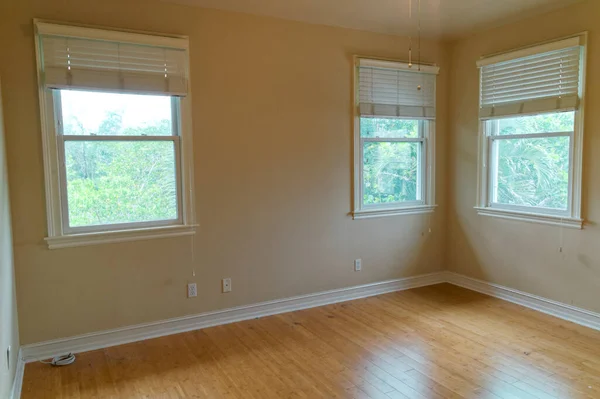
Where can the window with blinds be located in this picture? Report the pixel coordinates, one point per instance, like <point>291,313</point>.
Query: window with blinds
<point>116,131</point>
<point>394,140</point>
<point>392,89</point>
<point>542,79</point>
<point>89,58</point>
<point>532,133</point>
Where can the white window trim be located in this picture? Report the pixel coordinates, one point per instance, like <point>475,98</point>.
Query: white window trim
<point>427,204</point>
<point>59,235</point>
<point>571,218</point>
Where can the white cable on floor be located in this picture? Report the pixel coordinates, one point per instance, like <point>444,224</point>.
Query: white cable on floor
<point>63,360</point>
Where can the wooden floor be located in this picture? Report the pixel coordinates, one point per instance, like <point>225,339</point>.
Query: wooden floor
<point>434,342</point>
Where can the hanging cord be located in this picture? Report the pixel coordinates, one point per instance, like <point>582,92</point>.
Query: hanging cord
<point>63,360</point>
<point>121,77</point>
<point>193,251</point>
<point>167,88</point>
<point>410,34</point>
<point>429,221</point>
<point>561,243</point>
<point>193,216</point>
<point>69,73</point>
<point>419,24</point>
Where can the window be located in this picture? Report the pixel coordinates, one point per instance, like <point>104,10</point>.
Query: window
<point>394,140</point>
<point>531,117</point>
<point>116,137</point>
<point>121,160</point>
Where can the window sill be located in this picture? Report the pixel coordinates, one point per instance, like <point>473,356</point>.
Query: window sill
<point>376,213</point>
<point>552,220</point>
<point>109,237</point>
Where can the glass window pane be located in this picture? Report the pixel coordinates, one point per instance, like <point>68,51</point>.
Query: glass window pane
<point>389,128</point>
<point>532,172</point>
<point>390,172</point>
<point>111,182</point>
<point>544,123</point>
<point>111,114</point>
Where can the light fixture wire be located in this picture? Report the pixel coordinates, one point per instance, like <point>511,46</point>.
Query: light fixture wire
<point>419,26</point>
<point>410,34</point>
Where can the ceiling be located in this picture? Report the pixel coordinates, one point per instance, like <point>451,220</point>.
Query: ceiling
<point>440,18</point>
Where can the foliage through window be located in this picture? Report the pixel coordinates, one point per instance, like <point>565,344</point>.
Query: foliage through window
<point>531,159</point>
<point>120,154</point>
<point>391,153</point>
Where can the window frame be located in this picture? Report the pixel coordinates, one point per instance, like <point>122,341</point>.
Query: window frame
<point>426,175</point>
<point>60,234</point>
<point>572,217</point>
<point>61,141</point>
<point>425,133</point>
<point>492,136</point>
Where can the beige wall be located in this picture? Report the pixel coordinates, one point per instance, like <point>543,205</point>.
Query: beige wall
<point>9,331</point>
<point>518,254</point>
<point>272,145</point>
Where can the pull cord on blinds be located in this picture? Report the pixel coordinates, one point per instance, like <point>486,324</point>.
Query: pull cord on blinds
<point>96,59</point>
<point>546,78</point>
<point>393,89</point>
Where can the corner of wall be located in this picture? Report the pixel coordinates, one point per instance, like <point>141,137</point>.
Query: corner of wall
<point>9,331</point>
<point>448,50</point>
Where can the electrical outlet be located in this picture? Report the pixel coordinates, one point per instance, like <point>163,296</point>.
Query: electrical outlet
<point>192,290</point>
<point>357,265</point>
<point>226,285</point>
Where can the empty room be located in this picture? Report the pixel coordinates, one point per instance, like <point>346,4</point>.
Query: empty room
<point>299,199</point>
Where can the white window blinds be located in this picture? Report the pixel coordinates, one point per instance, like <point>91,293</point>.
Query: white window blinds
<point>88,58</point>
<point>392,89</point>
<point>546,78</point>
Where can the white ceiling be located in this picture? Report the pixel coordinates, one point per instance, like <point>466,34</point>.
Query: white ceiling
<point>440,18</point>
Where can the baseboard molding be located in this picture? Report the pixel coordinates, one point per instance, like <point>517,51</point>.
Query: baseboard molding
<point>104,339</point>
<point>18,380</point>
<point>563,311</point>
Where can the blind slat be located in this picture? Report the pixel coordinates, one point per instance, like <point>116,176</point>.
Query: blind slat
<point>542,82</point>
<point>553,59</point>
<point>396,92</point>
<point>542,77</point>
<point>497,76</point>
<point>70,62</point>
<point>531,88</point>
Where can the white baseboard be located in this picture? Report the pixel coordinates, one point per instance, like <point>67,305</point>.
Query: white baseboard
<point>118,336</point>
<point>563,311</point>
<point>18,380</point>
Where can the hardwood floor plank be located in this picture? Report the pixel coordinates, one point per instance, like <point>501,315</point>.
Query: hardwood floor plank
<point>428,343</point>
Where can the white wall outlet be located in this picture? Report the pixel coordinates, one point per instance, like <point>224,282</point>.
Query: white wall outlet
<point>357,265</point>
<point>192,290</point>
<point>226,284</point>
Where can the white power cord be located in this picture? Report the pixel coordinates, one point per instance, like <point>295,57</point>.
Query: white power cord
<point>63,360</point>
